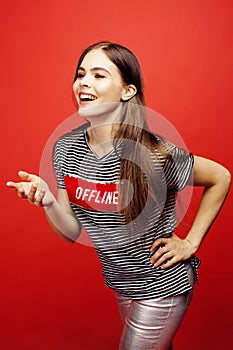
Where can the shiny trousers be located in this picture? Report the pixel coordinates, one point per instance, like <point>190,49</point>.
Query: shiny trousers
<point>152,324</point>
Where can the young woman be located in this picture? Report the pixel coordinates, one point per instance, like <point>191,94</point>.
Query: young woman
<point>120,182</point>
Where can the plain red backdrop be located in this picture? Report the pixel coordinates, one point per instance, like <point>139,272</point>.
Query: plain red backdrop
<point>52,293</point>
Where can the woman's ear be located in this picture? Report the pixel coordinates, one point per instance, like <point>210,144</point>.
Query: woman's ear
<point>128,92</point>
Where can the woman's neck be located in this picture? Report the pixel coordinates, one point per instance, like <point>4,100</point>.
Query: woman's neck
<point>100,139</point>
<point>99,133</point>
<point>102,126</point>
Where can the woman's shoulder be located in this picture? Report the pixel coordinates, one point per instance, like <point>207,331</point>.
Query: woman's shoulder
<point>161,146</point>
<point>71,136</point>
<point>167,147</point>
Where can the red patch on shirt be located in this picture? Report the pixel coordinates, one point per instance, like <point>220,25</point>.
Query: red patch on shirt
<point>91,195</point>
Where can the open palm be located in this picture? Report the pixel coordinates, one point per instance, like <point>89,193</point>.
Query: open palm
<point>32,188</point>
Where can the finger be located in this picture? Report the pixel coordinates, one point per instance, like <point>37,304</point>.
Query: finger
<point>31,193</point>
<point>21,192</point>
<point>24,175</point>
<point>12,184</point>
<point>170,262</point>
<point>159,254</point>
<point>157,243</point>
<point>39,198</point>
<point>156,254</point>
<point>163,259</point>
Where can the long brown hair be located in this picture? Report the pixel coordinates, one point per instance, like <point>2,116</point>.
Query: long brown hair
<point>133,134</point>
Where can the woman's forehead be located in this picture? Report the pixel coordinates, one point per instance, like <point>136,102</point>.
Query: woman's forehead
<point>97,58</point>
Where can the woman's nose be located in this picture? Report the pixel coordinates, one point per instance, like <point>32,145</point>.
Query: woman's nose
<point>85,81</point>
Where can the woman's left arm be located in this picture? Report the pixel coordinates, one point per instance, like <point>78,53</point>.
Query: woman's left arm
<point>216,181</point>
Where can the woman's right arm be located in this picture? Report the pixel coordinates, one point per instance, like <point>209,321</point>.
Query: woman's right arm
<point>58,211</point>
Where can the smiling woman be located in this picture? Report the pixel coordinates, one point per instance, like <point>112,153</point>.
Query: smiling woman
<point>99,85</point>
<point>120,181</point>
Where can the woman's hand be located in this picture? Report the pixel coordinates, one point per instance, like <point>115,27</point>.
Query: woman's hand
<point>169,251</point>
<point>32,188</point>
<point>58,212</point>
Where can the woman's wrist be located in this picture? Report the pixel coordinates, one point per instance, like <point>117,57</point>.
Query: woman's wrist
<point>194,243</point>
<point>49,202</point>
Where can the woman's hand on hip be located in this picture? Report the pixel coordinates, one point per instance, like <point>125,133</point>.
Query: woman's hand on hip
<point>169,251</point>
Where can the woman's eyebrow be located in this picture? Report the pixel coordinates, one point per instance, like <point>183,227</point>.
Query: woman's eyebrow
<point>95,69</point>
<point>100,68</point>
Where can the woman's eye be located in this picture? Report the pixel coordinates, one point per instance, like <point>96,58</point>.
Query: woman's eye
<point>80,75</point>
<point>99,76</point>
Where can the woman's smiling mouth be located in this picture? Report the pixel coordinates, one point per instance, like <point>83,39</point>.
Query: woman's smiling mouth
<point>86,97</point>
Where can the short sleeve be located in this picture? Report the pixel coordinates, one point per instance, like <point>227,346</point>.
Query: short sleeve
<point>178,168</point>
<point>57,163</point>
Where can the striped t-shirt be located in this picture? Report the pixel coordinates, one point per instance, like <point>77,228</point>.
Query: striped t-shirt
<point>92,187</point>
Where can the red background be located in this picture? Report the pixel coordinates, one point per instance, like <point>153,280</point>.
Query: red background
<point>52,293</point>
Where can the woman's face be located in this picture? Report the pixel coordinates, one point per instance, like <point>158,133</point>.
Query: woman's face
<point>99,81</point>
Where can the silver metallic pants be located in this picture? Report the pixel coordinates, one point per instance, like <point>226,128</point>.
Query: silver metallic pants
<point>152,324</point>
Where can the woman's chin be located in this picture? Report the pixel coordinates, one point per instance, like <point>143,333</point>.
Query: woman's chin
<point>105,110</point>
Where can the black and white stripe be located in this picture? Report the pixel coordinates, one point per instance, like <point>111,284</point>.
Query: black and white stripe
<point>125,258</point>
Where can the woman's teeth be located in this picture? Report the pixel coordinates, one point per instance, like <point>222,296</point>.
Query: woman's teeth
<point>86,97</point>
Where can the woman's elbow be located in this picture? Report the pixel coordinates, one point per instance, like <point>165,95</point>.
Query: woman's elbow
<point>227,178</point>
<point>223,179</point>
